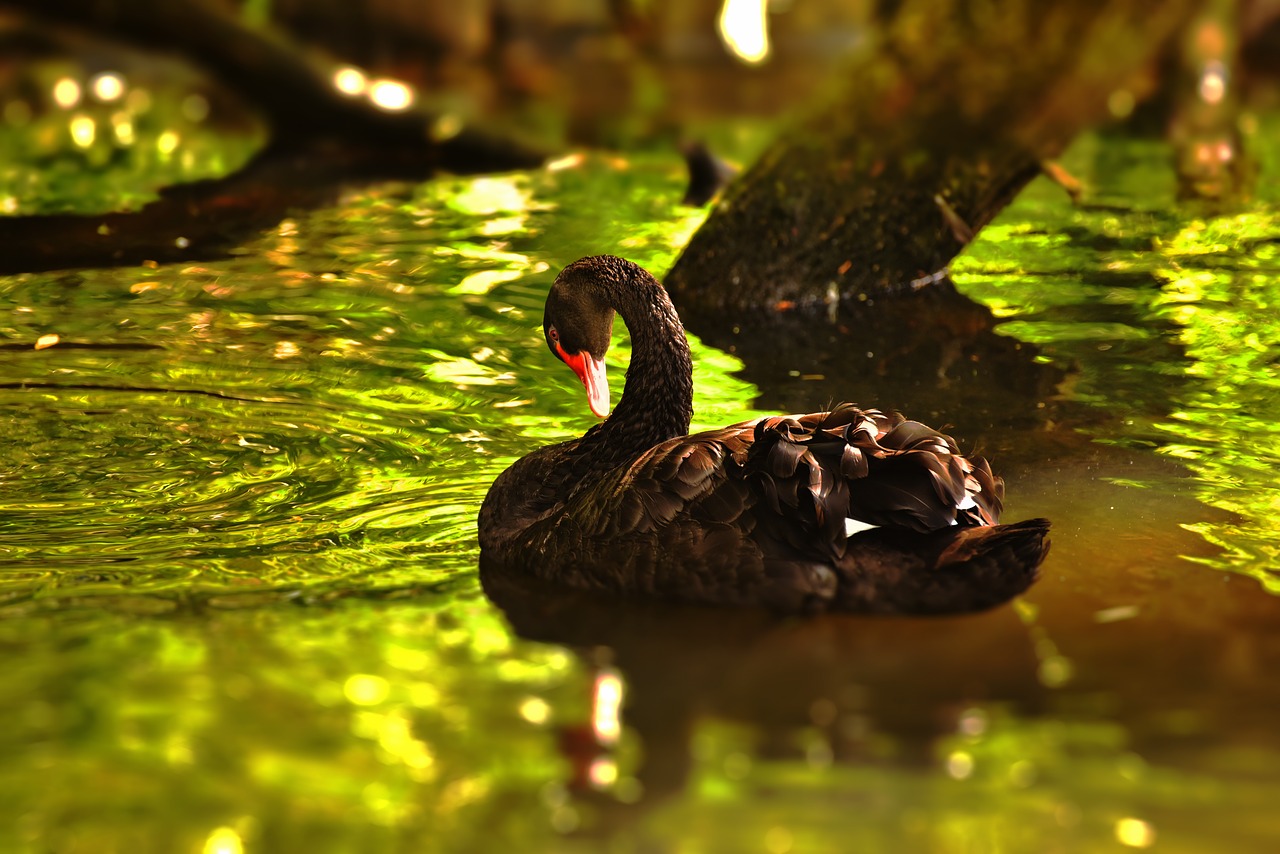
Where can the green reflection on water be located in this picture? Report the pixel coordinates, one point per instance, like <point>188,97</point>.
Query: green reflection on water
<point>314,423</point>
<point>315,411</point>
<point>257,721</point>
<point>1165,318</point>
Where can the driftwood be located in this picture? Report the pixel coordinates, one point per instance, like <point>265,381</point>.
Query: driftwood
<point>935,130</point>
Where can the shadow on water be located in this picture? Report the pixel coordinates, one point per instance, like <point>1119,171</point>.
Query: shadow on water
<point>683,663</point>
<point>932,353</point>
<point>1122,629</point>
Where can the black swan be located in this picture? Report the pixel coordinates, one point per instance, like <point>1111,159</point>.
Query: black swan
<point>848,510</point>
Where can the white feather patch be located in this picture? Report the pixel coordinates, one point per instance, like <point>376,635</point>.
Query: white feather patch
<point>853,526</point>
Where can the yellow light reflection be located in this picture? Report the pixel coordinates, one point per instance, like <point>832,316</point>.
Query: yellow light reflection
<point>606,720</point>
<point>286,350</point>
<point>123,128</point>
<point>83,131</point>
<point>167,142</point>
<point>603,772</point>
<point>364,689</point>
<point>960,765</point>
<point>107,86</point>
<point>66,93</point>
<point>569,161</point>
<point>350,81</point>
<point>744,29</point>
<point>224,840</point>
<point>535,710</point>
<point>1135,833</point>
<point>391,95</point>
<point>1213,82</point>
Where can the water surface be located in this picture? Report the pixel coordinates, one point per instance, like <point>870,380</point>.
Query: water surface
<point>238,588</point>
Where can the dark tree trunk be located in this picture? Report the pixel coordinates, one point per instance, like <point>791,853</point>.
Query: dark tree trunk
<point>936,128</point>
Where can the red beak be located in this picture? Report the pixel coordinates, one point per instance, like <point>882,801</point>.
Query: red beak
<point>591,371</point>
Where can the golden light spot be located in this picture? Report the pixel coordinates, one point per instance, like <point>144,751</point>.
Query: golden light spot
<point>490,195</point>
<point>107,86</point>
<point>365,689</point>
<point>167,142</point>
<point>391,95</point>
<point>606,720</point>
<point>535,710</point>
<point>484,281</point>
<point>123,128</point>
<point>66,93</point>
<point>424,695</point>
<point>960,765</point>
<point>1135,833</point>
<point>502,225</point>
<point>744,29</point>
<point>407,658</point>
<point>350,81</point>
<point>286,350</point>
<point>569,161</point>
<point>416,754</point>
<point>44,342</point>
<point>1116,614</point>
<point>224,840</point>
<point>603,772</point>
<point>1213,82</point>
<point>83,131</point>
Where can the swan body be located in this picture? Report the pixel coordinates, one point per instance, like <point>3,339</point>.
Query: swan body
<point>852,509</point>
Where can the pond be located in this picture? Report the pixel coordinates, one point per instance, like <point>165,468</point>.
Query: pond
<point>239,600</point>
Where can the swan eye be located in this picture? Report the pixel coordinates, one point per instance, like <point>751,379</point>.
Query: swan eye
<point>553,334</point>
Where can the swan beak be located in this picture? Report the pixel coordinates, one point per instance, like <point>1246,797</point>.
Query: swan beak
<point>591,371</point>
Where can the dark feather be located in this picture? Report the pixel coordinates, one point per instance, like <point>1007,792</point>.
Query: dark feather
<point>753,513</point>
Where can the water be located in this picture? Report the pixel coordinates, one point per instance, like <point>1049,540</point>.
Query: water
<point>239,606</point>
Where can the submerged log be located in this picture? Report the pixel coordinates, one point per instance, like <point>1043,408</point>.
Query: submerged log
<point>937,127</point>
